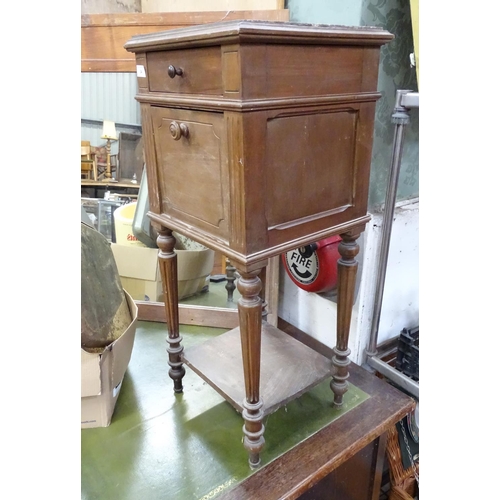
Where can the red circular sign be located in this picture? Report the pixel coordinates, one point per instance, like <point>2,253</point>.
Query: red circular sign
<point>314,267</point>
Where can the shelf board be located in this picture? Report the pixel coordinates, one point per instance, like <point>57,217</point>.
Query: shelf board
<point>288,367</point>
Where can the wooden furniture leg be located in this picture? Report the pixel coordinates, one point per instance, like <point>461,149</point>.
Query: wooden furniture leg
<point>250,316</point>
<point>230,272</point>
<point>263,292</point>
<point>167,259</point>
<point>271,285</point>
<point>347,270</point>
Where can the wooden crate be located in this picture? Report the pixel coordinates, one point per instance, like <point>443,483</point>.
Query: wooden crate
<point>130,156</point>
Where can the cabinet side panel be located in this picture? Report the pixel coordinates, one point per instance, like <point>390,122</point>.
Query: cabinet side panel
<point>309,164</point>
<point>275,71</point>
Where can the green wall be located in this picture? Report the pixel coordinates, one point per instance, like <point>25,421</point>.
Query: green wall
<point>346,12</point>
<point>395,73</point>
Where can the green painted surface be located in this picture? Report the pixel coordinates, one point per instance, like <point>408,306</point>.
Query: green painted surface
<point>395,73</point>
<point>325,11</point>
<point>216,296</point>
<point>186,446</point>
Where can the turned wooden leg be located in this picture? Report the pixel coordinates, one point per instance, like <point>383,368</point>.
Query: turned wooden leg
<point>250,317</point>
<point>347,268</point>
<point>167,259</point>
<point>230,277</point>
<point>263,292</point>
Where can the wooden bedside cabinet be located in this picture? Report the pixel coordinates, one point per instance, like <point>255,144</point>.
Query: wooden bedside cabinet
<point>258,139</point>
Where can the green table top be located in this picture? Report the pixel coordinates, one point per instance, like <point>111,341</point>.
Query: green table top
<point>186,446</point>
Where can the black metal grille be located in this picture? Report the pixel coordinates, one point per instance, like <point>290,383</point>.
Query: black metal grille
<point>408,352</point>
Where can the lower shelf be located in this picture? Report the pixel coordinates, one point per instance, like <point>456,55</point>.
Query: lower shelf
<point>288,367</point>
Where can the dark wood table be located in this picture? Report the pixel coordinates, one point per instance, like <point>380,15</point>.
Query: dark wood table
<point>344,460</point>
<point>96,189</point>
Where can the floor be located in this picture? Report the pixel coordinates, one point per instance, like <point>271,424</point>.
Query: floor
<point>146,454</point>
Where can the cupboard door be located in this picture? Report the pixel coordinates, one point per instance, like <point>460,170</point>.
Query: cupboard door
<point>191,162</point>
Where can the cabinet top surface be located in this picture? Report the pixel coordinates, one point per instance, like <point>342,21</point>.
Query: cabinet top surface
<point>251,31</point>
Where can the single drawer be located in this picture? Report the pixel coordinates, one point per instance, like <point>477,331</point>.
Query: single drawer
<point>187,71</point>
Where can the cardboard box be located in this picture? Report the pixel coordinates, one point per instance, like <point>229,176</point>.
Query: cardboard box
<point>102,375</point>
<point>140,273</point>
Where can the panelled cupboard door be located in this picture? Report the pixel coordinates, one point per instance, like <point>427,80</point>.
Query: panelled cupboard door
<point>192,167</point>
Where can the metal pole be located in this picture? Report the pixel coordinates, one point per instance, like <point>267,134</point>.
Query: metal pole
<point>400,118</point>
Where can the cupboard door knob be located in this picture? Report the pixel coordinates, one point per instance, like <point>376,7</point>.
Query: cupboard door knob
<point>173,71</point>
<point>178,130</point>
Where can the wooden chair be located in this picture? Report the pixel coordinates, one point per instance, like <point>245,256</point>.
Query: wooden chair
<point>403,481</point>
<point>88,162</point>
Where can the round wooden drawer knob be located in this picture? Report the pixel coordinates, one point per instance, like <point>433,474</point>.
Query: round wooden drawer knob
<point>173,71</point>
<point>178,130</point>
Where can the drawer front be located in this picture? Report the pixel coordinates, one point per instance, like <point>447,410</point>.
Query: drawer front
<point>194,71</point>
<point>192,171</point>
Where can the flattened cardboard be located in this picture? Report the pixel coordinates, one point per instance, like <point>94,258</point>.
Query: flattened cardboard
<point>102,375</point>
<point>91,374</point>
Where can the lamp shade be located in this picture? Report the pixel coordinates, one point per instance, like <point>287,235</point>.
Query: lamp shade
<point>108,130</point>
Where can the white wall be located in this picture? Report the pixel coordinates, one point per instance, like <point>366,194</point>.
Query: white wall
<point>316,314</point>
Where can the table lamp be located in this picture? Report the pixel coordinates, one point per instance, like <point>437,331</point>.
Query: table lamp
<point>108,133</point>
